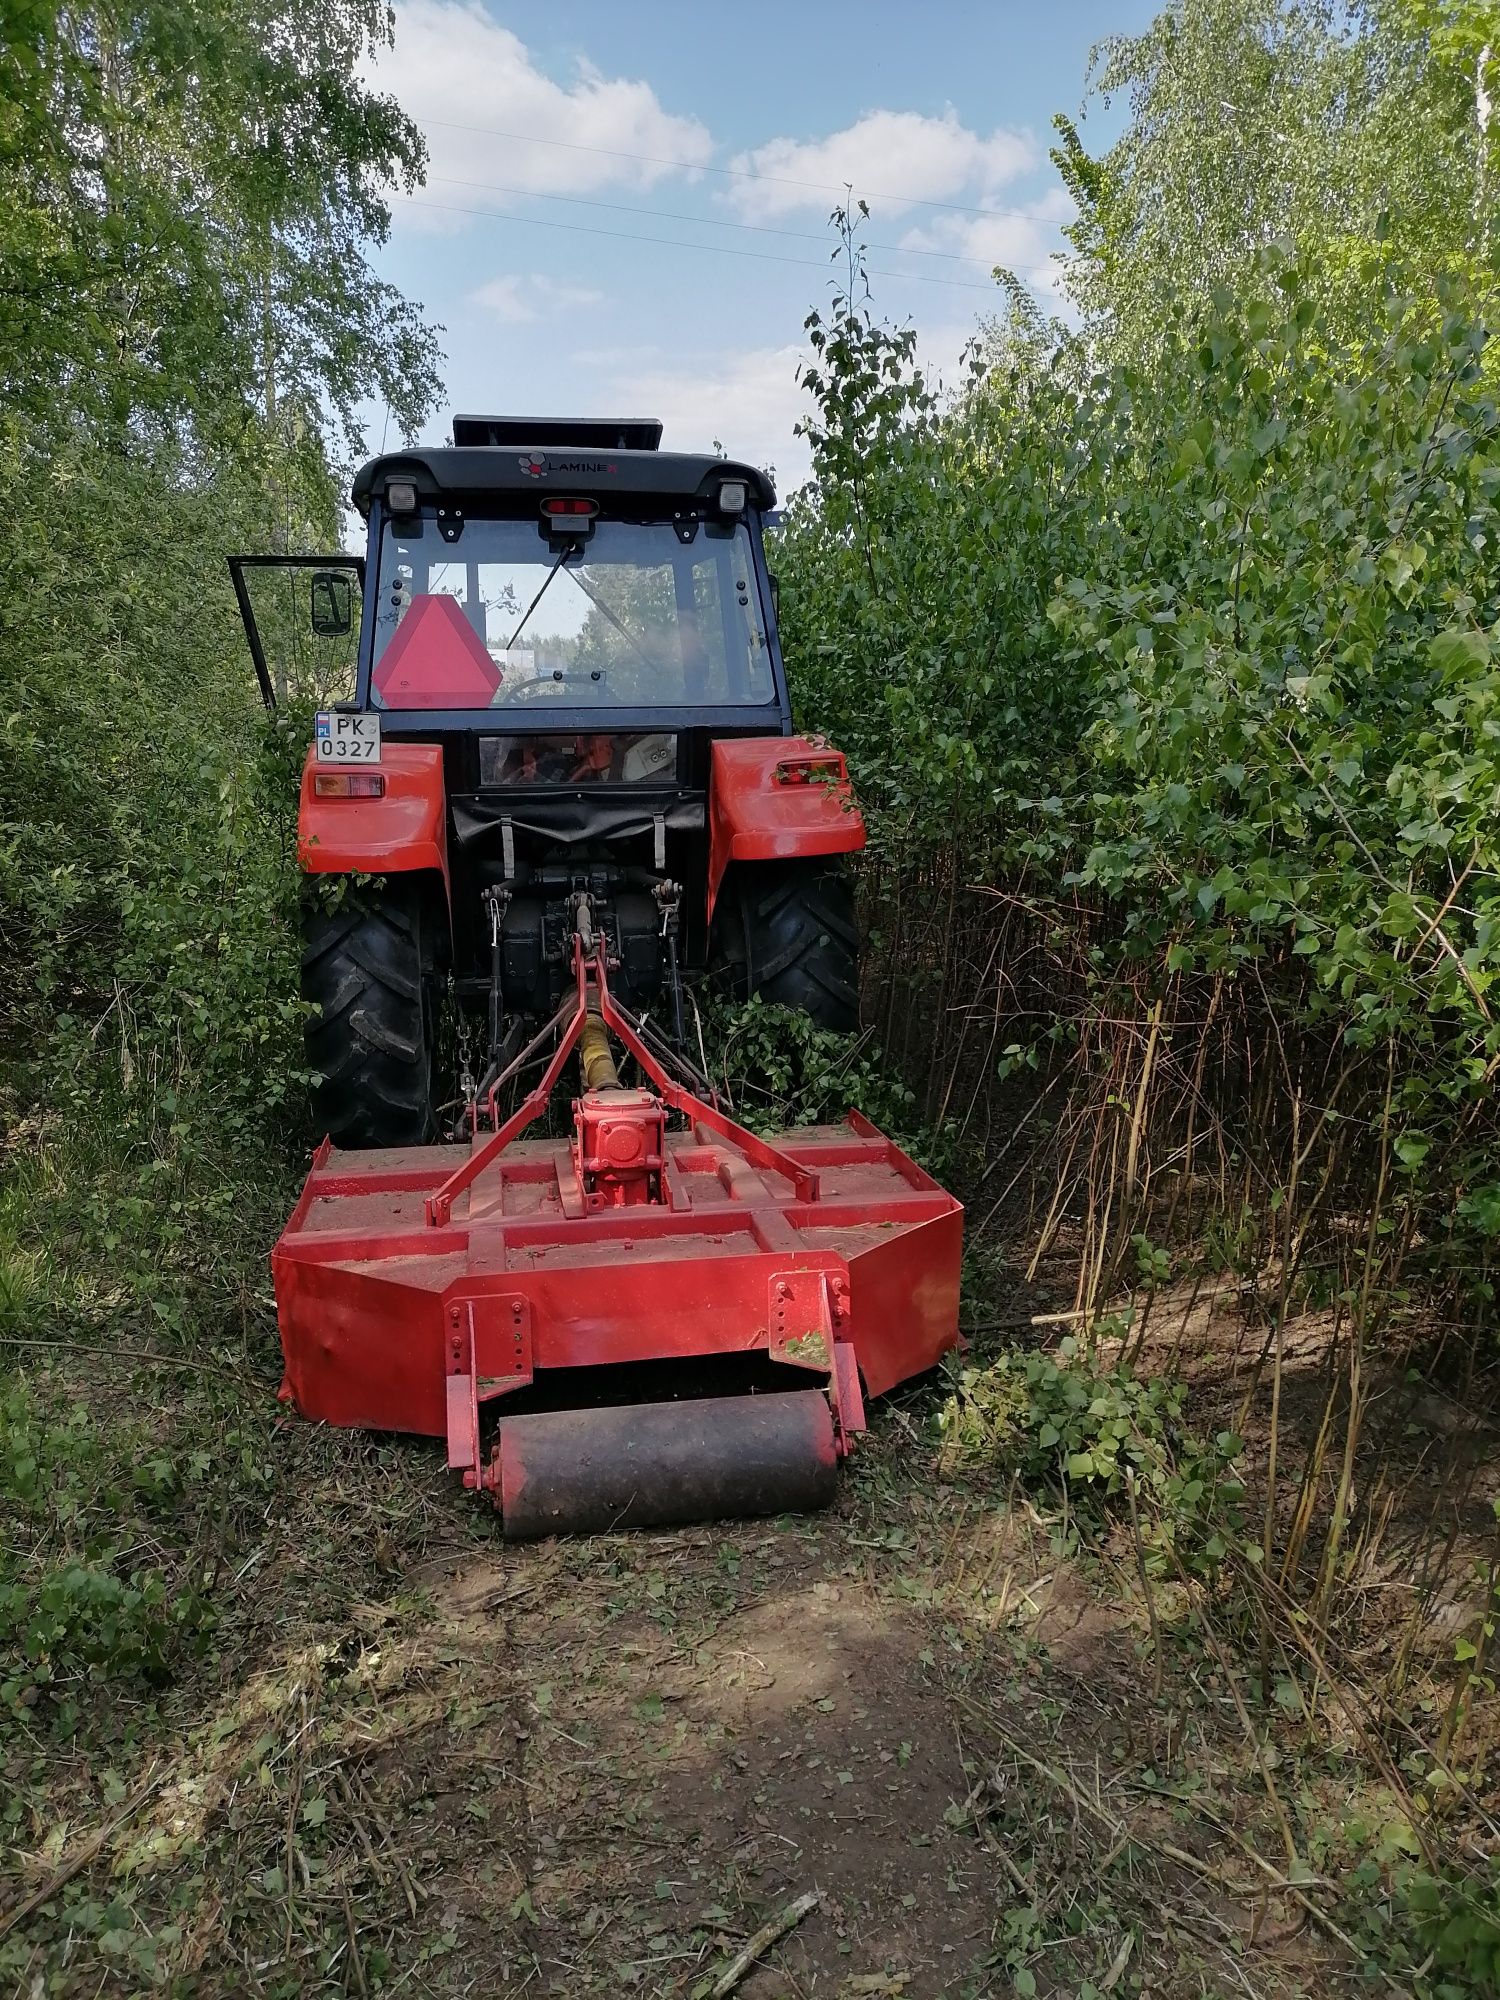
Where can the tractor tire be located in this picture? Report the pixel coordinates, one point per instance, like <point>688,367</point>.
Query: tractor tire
<point>787,931</point>
<point>367,966</point>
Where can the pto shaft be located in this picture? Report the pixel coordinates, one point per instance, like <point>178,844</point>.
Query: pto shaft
<point>599,1072</point>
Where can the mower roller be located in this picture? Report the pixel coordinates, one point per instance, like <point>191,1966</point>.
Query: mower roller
<point>558,842</point>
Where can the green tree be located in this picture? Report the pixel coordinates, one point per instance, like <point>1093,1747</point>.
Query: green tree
<point>188,318</point>
<point>189,190</point>
<point>1337,126</point>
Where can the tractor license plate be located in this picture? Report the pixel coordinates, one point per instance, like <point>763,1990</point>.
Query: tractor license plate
<point>347,739</point>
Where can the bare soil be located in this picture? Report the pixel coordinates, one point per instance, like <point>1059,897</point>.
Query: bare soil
<point>421,1761</point>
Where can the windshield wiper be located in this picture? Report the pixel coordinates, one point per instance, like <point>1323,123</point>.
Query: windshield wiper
<point>570,550</point>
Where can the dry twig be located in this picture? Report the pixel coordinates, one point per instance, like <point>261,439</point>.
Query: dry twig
<point>89,1851</point>
<point>768,1934</point>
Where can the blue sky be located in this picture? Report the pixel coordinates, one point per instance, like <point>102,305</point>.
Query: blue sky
<point>561,135</point>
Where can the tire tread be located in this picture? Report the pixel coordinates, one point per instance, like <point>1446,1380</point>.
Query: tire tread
<point>795,921</point>
<point>370,1040</point>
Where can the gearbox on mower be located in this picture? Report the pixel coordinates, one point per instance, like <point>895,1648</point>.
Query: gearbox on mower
<point>565,791</point>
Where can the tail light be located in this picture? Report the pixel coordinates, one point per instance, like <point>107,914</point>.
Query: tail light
<point>348,784</point>
<point>811,771</point>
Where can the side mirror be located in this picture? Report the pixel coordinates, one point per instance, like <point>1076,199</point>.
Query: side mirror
<point>775,595</point>
<point>332,605</point>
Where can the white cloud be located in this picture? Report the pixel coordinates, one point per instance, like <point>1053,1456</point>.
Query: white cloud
<point>515,301</point>
<point>750,401</point>
<point>1023,242</point>
<point>897,157</point>
<point>465,80</point>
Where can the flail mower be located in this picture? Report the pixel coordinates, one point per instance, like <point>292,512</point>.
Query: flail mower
<point>564,793</point>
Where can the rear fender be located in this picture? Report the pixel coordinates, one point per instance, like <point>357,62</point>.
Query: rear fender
<point>778,798</point>
<point>404,831</point>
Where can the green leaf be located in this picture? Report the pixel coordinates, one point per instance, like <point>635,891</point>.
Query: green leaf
<point>1288,1696</point>
<point>1455,653</point>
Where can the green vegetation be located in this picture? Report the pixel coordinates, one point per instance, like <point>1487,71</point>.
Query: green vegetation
<point>1166,651</point>
<point>1265,756</point>
<point>778,1068</point>
<point>187,320</point>
<point>1181,763</point>
<point>1100,1438</point>
<point>1355,128</point>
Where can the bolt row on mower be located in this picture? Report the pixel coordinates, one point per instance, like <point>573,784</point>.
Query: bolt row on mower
<point>565,793</point>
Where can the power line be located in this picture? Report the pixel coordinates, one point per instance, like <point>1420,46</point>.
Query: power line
<point>713,221</point>
<point>733,173</point>
<point>679,243</point>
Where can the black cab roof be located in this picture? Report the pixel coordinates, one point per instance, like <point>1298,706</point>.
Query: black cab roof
<point>559,433</point>
<point>553,459</point>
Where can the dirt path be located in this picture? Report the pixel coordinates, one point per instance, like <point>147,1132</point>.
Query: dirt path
<point>702,1732</point>
<point>607,1764</point>
<point>421,1762</point>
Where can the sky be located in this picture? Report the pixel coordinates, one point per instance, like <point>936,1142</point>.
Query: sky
<point>626,208</point>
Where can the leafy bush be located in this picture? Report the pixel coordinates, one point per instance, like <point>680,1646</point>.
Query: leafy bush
<point>68,1615</point>
<point>1058,1424</point>
<point>1457,1920</point>
<point>1439,1934</point>
<point>81,1620</point>
<point>1209,649</point>
<point>781,1069</point>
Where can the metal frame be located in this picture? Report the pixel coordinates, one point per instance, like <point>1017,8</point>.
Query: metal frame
<point>237,567</point>
<point>593,995</point>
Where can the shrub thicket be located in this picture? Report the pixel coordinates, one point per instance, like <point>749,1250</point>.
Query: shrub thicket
<point>187,318</point>
<point>1207,650</point>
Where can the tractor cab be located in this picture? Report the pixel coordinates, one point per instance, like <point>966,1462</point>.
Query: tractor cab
<point>566,682</point>
<point>606,585</point>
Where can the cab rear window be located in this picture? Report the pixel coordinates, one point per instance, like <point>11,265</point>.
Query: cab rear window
<point>579,757</point>
<point>506,614</point>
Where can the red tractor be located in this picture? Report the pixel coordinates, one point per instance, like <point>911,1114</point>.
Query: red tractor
<point>567,790</point>
<point>569,685</point>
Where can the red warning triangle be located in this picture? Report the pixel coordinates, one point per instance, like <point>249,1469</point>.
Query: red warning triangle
<point>436,660</point>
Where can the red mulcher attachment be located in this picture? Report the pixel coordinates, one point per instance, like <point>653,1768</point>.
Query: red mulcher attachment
<point>415,1284</point>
